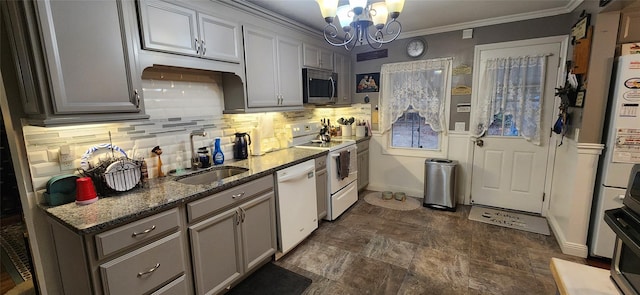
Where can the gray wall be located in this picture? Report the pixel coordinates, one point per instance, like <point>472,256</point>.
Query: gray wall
<point>451,44</point>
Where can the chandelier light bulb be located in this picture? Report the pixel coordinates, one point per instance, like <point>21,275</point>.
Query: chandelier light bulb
<point>395,7</point>
<point>379,14</point>
<point>328,9</point>
<point>344,17</point>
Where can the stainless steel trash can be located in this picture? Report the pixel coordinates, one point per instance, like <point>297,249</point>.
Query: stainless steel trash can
<point>440,184</point>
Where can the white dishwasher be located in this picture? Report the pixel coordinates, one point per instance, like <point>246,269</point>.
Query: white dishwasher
<point>297,204</point>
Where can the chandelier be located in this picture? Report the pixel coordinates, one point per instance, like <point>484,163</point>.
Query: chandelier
<point>362,22</point>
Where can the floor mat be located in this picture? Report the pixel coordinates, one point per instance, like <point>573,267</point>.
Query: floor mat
<point>12,242</point>
<point>272,280</point>
<point>375,198</point>
<point>508,219</point>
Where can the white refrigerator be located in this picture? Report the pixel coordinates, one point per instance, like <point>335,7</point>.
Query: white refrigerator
<point>622,149</point>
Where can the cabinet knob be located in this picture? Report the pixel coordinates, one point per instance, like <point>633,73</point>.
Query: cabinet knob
<point>137,98</point>
<point>240,195</point>
<point>197,46</point>
<point>204,47</point>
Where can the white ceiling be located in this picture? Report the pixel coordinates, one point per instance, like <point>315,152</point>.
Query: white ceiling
<point>422,17</point>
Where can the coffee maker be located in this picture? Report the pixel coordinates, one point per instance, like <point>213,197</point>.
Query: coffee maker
<point>240,145</point>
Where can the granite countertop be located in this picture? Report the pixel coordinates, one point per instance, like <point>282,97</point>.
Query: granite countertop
<point>164,193</point>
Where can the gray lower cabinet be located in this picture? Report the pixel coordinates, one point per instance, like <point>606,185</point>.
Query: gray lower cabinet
<point>227,245</point>
<point>321,186</point>
<point>130,259</point>
<point>363,164</point>
<point>80,60</point>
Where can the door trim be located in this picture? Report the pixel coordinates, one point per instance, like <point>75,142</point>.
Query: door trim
<point>551,155</point>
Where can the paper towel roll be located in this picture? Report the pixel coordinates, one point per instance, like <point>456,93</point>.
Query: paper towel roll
<point>256,139</point>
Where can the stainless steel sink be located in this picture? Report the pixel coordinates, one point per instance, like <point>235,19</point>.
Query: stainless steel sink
<point>211,175</point>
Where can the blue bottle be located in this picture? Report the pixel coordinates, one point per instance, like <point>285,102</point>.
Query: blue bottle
<point>218,156</point>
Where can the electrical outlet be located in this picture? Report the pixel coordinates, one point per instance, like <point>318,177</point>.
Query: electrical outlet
<point>66,158</point>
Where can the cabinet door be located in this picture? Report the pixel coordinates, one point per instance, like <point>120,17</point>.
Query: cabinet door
<point>220,38</point>
<point>363,169</point>
<point>343,68</point>
<point>216,252</point>
<point>321,193</point>
<point>311,56</point>
<point>90,61</point>
<point>258,229</point>
<point>290,71</point>
<point>326,59</point>
<point>168,27</point>
<point>261,69</point>
<point>629,20</point>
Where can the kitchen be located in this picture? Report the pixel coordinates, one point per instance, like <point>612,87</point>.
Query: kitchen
<point>179,117</point>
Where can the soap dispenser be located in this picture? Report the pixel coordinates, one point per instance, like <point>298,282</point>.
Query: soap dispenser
<point>218,156</point>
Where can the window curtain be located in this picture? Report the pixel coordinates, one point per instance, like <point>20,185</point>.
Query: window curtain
<point>420,85</point>
<point>512,86</point>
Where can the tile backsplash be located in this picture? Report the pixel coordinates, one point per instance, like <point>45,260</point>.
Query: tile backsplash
<point>177,106</point>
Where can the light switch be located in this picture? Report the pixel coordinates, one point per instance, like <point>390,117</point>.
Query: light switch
<point>66,158</point>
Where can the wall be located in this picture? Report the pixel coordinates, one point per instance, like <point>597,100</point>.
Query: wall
<point>178,103</point>
<point>406,173</point>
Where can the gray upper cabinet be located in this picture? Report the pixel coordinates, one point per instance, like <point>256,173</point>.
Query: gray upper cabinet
<point>273,69</point>
<point>629,24</point>
<point>81,63</point>
<point>173,28</point>
<point>343,68</point>
<point>317,57</point>
<point>91,68</point>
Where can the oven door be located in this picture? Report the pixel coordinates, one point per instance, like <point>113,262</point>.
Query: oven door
<point>625,264</point>
<point>336,182</point>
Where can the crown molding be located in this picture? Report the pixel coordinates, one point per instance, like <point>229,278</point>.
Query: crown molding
<point>571,5</point>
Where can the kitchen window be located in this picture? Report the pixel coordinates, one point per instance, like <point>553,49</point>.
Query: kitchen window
<point>412,106</point>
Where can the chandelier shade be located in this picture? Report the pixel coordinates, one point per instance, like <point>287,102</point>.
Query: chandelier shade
<point>374,23</point>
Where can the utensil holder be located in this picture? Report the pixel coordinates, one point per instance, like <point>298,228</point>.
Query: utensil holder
<point>346,130</point>
<point>360,131</point>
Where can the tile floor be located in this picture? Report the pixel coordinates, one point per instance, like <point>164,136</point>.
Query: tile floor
<point>373,250</point>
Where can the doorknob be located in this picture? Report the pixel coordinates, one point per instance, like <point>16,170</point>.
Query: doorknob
<point>480,142</point>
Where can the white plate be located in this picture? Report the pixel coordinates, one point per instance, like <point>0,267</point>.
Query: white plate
<point>84,161</point>
<point>122,175</point>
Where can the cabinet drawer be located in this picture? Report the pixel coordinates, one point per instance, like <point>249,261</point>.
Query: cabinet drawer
<point>208,205</point>
<point>363,146</point>
<point>144,269</point>
<point>321,163</point>
<point>177,287</point>
<point>136,232</point>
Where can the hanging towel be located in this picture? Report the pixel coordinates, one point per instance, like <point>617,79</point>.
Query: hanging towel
<point>343,164</point>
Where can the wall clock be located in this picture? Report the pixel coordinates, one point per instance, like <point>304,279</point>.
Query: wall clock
<point>416,48</point>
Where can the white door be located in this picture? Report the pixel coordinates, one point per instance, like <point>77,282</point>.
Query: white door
<point>509,171</point>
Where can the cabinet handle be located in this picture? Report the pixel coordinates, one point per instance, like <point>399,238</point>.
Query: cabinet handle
<point>204,47</point>
<point>150,270</point>
<point>240,195</point>
<point>146,231</point>
<point>237,217</point>
<point>243,213</point>
<point>137,97</point>
<point>197,46</point>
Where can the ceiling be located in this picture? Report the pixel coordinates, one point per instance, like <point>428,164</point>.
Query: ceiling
<point>423,17</point>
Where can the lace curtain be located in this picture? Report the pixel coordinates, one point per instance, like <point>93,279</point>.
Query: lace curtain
<point>512,86</point>
<point>420,85</point>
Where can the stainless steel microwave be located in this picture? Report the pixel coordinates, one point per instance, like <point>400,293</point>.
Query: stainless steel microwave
<point>319,87</point>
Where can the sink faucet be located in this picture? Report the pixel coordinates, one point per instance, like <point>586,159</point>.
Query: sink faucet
<point>194,157</point>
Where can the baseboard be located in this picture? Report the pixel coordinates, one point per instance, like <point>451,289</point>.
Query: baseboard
<point>568,248</point>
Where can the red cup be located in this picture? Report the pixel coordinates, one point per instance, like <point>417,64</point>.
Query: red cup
<point>85,191</point>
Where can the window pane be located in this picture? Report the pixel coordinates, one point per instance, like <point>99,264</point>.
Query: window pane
<point>410,131</point>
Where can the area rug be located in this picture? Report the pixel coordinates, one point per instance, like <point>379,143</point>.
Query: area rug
<point>272,280</point>
<point>509,219</point>
<point>375,198</point>
<point>12,242</point>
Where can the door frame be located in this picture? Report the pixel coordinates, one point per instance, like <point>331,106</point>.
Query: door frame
<point>551,156</point>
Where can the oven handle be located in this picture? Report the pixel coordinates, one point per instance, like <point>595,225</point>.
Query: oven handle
<point>622,228</point>
<point>333,88</point>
